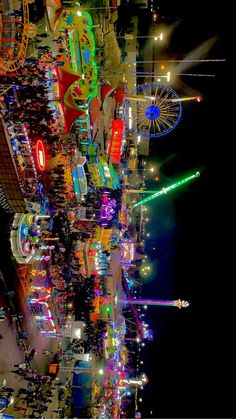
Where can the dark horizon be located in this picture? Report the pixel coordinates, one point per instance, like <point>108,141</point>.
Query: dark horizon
<point>188,363</point>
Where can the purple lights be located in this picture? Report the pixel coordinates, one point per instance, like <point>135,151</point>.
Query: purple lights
<point>108,209</point>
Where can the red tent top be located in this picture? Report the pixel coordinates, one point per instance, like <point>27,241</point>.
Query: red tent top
<point>70,116</point>
<point>105,89</point>
<point>65,79</point>
<point>118,93</point>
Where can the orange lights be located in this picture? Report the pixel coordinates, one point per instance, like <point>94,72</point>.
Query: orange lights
<point>53,368</point>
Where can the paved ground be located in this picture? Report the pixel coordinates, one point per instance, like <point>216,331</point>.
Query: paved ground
<point>13,353</point>
<point>10,354</point>
<point>15,381</point>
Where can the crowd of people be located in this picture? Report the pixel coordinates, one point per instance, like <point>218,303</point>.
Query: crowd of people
<point>28,115</point>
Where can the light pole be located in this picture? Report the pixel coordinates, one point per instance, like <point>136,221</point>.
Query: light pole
<point>179,61</point>
<point>153,55</point>
<point>130,36</point>
<point>94,8</point>
<point>78,371</point>
<point>150,169</point>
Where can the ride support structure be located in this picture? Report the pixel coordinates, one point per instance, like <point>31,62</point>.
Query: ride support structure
<point>12,50</point>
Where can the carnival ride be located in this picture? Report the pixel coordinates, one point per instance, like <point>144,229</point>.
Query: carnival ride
<point>25,238</point>
<point>77,71</point>
<point>147,302</point>
<point>141,330</point>
<point>158,110</point>
<point>21,150</point>
<point>134,311</point>
<point>75,68</point>
<point>53,10</point>
<point>13,55</point>
<point>156,194</point>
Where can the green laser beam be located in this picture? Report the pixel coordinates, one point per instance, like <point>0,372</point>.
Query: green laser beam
<point>167,189</point>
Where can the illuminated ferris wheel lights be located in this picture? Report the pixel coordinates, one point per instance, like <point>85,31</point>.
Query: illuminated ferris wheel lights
<point>158,109</point>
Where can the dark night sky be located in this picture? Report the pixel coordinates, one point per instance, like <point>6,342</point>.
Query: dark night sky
<point>189,363</point>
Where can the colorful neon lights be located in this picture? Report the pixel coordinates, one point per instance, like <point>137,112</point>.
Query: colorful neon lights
<point>167,189</point>
<point>40,153</point>
<point>82,47</point>
<point>108,209</point>
<point>45,318</point>
<point>80,181</point>
<point>94,84</point>
<point>170,303</point>
<point>74,63</point>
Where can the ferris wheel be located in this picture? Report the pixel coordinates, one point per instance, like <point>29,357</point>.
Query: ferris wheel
<point>158,110</point>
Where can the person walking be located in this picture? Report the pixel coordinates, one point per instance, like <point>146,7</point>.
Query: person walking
<point>21,366</point>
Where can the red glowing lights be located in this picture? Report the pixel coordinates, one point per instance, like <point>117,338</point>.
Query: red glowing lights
<point>40,153</point>
<point>116,140</point>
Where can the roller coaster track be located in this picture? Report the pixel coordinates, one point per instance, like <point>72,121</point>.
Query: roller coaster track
<point>12,65</point>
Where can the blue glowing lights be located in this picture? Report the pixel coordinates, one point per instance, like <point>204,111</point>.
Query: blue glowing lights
<point>152,112</point>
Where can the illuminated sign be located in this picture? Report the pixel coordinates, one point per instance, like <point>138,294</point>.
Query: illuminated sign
<point>40,153</point>
<point>116,140</point>
<point>108,209</point>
